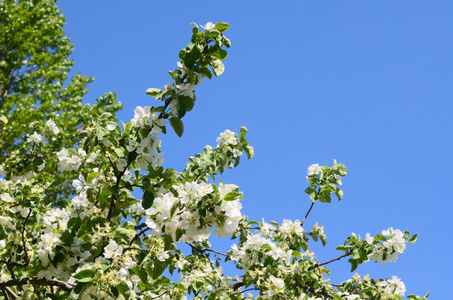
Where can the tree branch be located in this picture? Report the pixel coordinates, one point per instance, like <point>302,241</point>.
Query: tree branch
<point>10,291</point>
<point>317,262</point>
<point>39,281</point>
<point>23,237</point>
<point>206,249</point>
<point>140,233</point>
<point>335,259</point>
<point>306,215</point>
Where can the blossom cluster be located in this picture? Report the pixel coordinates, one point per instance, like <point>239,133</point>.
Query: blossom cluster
<point>69,159</point>
<point>178,215</point>
<point>393,245</point>
<point>365,287</point>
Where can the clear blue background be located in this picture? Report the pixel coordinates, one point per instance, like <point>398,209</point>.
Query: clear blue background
<point>368,83</point>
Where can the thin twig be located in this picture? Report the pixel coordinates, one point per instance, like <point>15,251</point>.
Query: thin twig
<point>23,237</point>
<point>5,294</point>
<point>138,227</point>
<point>306,215</point>
<point>10,291</point>
<point>247,290</point>
<point>36,291</point>
<point>317,262</point>
<point>139,234</point>
<point>203,253</point>
<point>335,259</point>
<point>158,296</point>
<point>206,249</point>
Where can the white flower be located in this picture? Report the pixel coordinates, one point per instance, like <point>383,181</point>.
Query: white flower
<point>35,138</point>
<point>79,184</point>
<point>7,198</point>
<point>187,89</point>
<point>111,127</point>
<point>52,126</point>
<point>227,137</point>
<point>93,156</point>
<point>112,250</point>
<point>163,255</point>
<point>369,239</point>
<point>140,114</point>
<point>393,286</point>
<point>24,211</point>
<point>80,201</point>
<point>121,164</point>
<point>67,161</point>
<point>208,26</point>
<point>313,170</point>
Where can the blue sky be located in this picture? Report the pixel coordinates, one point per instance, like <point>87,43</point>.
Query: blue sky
<point>368,83</point>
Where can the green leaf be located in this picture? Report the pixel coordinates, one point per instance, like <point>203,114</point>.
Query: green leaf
<point>74,224</point>
<point>217,67</point>
<point>191,56</point>
<point>233,196</point>
<point>177,125</point>
<point>342,248</point>
<point>66,237</point>
<point>221,26</point>
<point>79,287</point>
<point>120,151</point>
<point>354,265</point>
<point>221,54</point>
<point>205,72</point>
<point>3,234</point>
<point>153,92</point>
<point>148,199</point>
<point>26,190</point>
<point>124,290</point>
<point>323,239</point>
<point>168,242</point>
<point>183,106</point>
<point>413,238</point>
<point>140,272</point>
<point>127,234</point>
<point>159,268</point>
<point>85,275</point>
<point>101,131</point>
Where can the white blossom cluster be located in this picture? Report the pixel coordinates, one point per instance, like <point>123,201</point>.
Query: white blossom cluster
<point>187,89</point>
<point>244,254</point>
<point>387,289</point>
<point>228,141</point>
<point>81,187</point>
<point>143,117</point>
<point>315,169</point>
<point>69,161</point>
<point>50,125</point>
<point>185,216</point>
<point>275,286</point>
<point>392,247</point>
<point>147,148</point>
<point>36,138</point>
<point>393,286</point>
<point>215,275</point>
